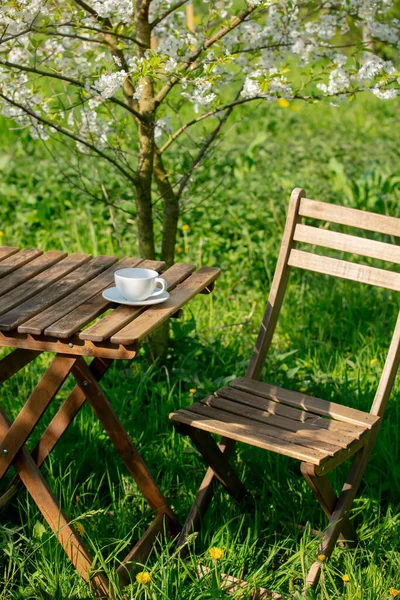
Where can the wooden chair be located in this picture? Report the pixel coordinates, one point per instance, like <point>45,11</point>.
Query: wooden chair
<point>320,434</point>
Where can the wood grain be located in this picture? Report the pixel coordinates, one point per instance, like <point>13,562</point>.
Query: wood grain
<point>122,315</point>
<point>347,243</point>
<point>33,410</point>
<point>55,292</point>
<point>72,345</point>
<point>300,429</point>
<point>28,271</point>
<point>338,429</point>
<point>7,251</point>
<point>41,281</point>
<point>349,216</point>
<point>44,321</point>
<point>155,315</point>
<point>345,270</point>
<point>243,433</point>
<point>16,260</point>
<point>92,308</point>
<point>306,403</point>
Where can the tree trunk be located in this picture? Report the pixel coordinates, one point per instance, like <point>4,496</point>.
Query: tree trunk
<point>159,339</point>
<point>171,209</point>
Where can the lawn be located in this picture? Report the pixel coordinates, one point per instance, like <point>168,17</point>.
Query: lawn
<point>331,342</point>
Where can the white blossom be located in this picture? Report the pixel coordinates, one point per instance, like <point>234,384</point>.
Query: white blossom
<point>122,10</point>
<point>109,83</point>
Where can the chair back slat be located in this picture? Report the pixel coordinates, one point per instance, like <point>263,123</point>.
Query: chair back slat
<point>349,216</point>
<point>347,243</point>
<point>344,269</point>
<point>290,256</point>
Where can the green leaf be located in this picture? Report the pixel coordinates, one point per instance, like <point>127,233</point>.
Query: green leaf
<point>39,530</point>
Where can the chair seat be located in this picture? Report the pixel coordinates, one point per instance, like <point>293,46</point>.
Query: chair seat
<point>309,429</point>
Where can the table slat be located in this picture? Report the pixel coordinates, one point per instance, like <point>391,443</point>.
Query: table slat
<point>28,271</point>
<point>41,281</point>
<point>7,251</point>
<point>88,311</point>
<point>123,315</point>
<point>49,296</point>
<point>45,319</point>
<point>155,315</point>
<point>16,260</point>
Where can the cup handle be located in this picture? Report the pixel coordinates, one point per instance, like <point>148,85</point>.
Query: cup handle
<point>163,286</point>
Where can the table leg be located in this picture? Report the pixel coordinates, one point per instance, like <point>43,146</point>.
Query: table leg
<point>33,409</point>
<point>58,425</point>
<point>55,517</point>
<point>121,440</point>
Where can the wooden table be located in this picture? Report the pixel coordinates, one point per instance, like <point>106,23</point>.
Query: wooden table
<point>48,302</point>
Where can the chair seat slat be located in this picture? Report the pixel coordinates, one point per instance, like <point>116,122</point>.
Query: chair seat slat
<point>338,429</point>
<point>352,217</point>
<point>313,437</point>
<point>345,269</point>
<point>347,243</point>
<point>307,403</point>
<point>238,433</point>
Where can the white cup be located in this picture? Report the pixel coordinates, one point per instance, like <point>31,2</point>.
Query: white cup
<point>138,284</point>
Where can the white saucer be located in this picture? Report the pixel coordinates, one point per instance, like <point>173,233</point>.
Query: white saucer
<point>113,295</point>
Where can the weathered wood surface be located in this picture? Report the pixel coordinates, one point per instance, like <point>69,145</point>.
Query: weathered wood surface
<point>39,282</point>
<point>155,315</point>
<point>122,315</point>
<point>16,260</point>
<point>352,217</point>
<point>55,292</point>
<point>347,243</point>
<point>344,269</point>
<point>30,270</point>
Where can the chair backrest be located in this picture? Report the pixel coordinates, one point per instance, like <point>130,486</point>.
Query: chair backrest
<point>295,231</point>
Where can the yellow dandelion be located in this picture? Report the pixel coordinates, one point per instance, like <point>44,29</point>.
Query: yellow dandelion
<point>185,227</point>
<point>1,233</point>
<point>216,553</point>
<point>143,577</point>
<point>321,557</point>
<point>394,593</point>
<point>179,250</point>
<point>192,390</point>
<point>373,362</point>
<point>80,528</point>
<point>303,389</point>
<point>283,103</point>
<point>346,578</point>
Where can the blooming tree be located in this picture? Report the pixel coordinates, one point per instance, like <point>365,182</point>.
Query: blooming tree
<point>123,81</point>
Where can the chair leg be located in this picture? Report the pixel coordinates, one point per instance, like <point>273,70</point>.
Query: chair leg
<point>327,498</point>
<point>218,462</point>
<point>341,510</point>
<point>203,498</point>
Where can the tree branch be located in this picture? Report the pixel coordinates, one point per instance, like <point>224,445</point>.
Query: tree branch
<point>167,13</point>
<point>71,80</point>
<point>214,134</point>
<point>69,134</point>
<point>210,113</point>
<point>127,87</point>
<point>204,46</point>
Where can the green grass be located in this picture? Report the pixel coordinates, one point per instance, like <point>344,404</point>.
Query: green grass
<point>331,340</point>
